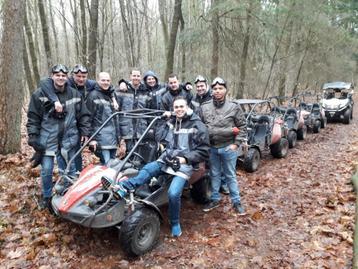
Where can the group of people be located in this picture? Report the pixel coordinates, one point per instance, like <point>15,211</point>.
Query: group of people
<point>206,127</point>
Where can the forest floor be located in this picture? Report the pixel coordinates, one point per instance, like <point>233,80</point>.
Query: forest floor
<point>300,214</point>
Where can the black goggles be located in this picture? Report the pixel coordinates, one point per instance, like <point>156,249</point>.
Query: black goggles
<point>200,79</point>
<point>79,68</point>
<point>219,81</point>
<point>59,68</point>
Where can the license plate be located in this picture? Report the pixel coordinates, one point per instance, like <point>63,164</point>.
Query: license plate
<point>331,113</point>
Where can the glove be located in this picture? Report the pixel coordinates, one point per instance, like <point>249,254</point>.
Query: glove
<point>34,143</point>
<point>173,162</point>
<point>36,159</point>
<point>235,130</point>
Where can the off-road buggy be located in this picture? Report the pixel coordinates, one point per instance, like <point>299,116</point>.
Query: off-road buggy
<point>86,202</point>
<point>338,101</point>
<point>312,112</point>
<point>266,131</point>
<point>293,117</point>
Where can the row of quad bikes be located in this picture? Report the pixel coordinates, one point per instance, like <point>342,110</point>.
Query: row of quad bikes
<point>138,217</point>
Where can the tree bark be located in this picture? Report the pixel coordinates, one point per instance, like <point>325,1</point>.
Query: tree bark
<point>173,38</point>
<point>54,33</point>
<point>45,33</point>
<point>11,90</point>
<point>84,33</point>
<point>214,70</point>
<point>27,69</point>
<point>162,4</point>
<point>93,39</point>
<point>183,47</point>
<point>32,49</point>
<point>64,26</point>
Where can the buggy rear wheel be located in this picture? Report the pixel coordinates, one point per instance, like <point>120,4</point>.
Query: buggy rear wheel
<point>280,149</point>
<point>201,190</point>
<point>252,160</point>
<point>302,133</point>
<point>140,231</point>
<point>292,138</point>
<point>347,116</point>
<point>323,123</point>
<point>317,126</point>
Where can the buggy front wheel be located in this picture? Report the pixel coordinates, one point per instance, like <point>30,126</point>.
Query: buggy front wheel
<point>140,232</point>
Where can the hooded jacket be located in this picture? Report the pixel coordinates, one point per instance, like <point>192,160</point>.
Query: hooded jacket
<point>54,133</point>
<point>129,100</point>
<point>186,137</point>
<point>100,105</point>
<point>156,92</point>
<point>169,96</point>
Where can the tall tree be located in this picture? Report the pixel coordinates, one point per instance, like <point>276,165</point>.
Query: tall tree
<point>84,32</point>
<point>215,40</point>
<point>173,38</point>
<point>93,39</point>
<point>11,89</point>
<point>45,33</point>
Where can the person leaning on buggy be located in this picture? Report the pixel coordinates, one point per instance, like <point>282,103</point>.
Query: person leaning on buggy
<point>187,144</point>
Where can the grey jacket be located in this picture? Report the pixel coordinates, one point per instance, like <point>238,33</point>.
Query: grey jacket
<point>220,121</point>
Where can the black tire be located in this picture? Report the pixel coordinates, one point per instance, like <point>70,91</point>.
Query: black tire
<point>252,160</point>
<point>292,139</point>
<point>317,126</point>
<point>323,123</point>
<point>347,116</point>
<point>302,133</point>
<point>280,149</point>
<point>140,232</point>
<point>201,190</point>
<point>352,113</point>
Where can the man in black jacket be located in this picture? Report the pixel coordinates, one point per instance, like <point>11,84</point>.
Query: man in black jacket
<point>100,104</point>
<point>187,141</point>
<point>56,134</point>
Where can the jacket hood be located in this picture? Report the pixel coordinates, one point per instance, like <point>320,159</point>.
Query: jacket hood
<point>152,74</point>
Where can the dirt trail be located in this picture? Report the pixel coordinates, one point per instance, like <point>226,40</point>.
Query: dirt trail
<point>300,215</point>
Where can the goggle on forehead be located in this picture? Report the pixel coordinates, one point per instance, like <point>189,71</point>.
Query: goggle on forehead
<point>59,68</point>
<point>219,81</point>
<point>200,79</point>
<point>79,68</point>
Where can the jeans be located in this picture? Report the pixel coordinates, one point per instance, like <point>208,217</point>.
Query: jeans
<point>106,154</point>
<point>223,162</point>
<point>153,169</point>
<point>47,166</point>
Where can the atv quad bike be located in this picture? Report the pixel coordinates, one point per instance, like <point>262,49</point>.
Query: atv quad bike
<point>312,112</point>
<point>338,101</point>
<point>293,118</point>
<point>86,202</point>
<point>266,130</point>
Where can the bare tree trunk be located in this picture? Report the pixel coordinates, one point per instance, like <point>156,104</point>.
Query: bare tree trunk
<point>54,31</point>
<point>183,47</point>
<point>11,90</point>
<point>172,38</point>
<point>245,52</point>
<point>126,34</point>
<point>28,74</point>
<point>295,87</point>
<point>214,70</point>
<point>93,39</point>
<point>84,32</point>
<point>45,33</point>
<point>162,4</point>
<point>67,44</point>
<point>148,34</point>
<point>32,50</point>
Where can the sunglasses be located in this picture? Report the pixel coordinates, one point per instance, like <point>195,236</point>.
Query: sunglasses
<point>181,106</point>
<point>79,68</point>
<point>59,68</point>
<point>200,79</point>
<point>219,81</point>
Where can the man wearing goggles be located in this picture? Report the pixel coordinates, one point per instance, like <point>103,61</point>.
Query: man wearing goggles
<point>56,134</point>
<point>227,131</point>
<point>203,92</point>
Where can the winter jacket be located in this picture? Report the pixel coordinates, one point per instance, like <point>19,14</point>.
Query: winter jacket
<point>47,86</point>
<point>57,131</point>
<point>169,96</point>
<point>186,138</point>
<point>204,98</point>
<point>129,100</point>
<point>156,92</point>
<point>220,121</point>
<point>100,105</point>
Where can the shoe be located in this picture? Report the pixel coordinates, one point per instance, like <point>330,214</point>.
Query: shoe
<point>176,230</point>
<point>224,189</point>
<point>239,208</point>
<point>118,190</point>
<point>45,203</point>
<point>211,206</point>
